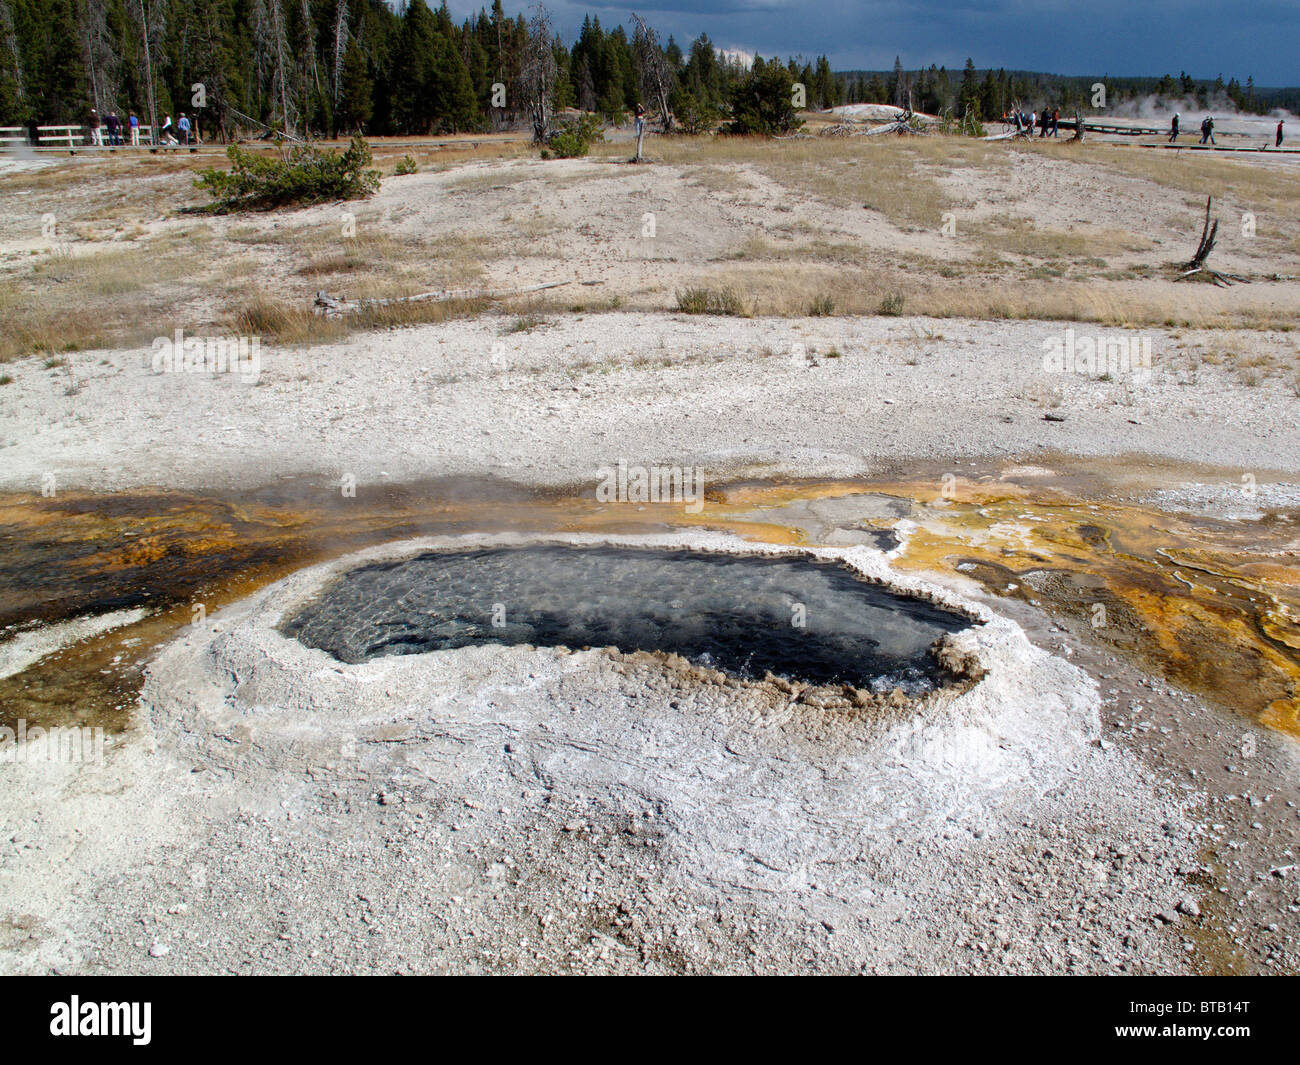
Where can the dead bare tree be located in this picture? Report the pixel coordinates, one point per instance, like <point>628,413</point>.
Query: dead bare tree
<point>656,78</point>
<point>340,46</point>
<point>309,69</point>
<point>150,24</point>
<point>537,74</point>
<point>209,68</point>
<point>1019,128</point>
<point>1196,264</point>
<point>103,64</point>
<point>271,45</point>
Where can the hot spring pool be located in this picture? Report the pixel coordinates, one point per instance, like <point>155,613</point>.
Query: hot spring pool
<point>798,617</point>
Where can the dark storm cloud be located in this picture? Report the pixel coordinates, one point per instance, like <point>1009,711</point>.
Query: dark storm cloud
<point>1203,37</point>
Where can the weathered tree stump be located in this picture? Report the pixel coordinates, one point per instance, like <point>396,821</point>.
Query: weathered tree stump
<point>1196,264</point>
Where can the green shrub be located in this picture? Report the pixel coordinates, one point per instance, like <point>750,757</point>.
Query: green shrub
<point>708,301</point>
<point>821,307</point>
<point>762,103</point>
<point>406,165</point>
<point>574,139</point>
<point>971,124</point>
<point>304,175</point>
<point>693,114</point>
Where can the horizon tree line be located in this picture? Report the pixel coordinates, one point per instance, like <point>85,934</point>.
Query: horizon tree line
<point>326,67</point>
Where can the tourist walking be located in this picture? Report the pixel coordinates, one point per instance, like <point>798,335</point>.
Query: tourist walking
<point>1173,129</point>
<point>96,137</point>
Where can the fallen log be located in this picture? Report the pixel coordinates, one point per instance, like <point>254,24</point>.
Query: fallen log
<point>842,129</point>
<point>904,124</point>
<point>333,306</point>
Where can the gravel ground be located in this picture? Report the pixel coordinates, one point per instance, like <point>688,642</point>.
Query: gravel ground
<point>554,405</point>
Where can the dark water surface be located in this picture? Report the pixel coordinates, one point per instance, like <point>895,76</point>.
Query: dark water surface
<point>797,617</point>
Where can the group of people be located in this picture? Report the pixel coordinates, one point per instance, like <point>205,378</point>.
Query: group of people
<point>1207,131</point>
<point>1047,123</point>
<point>183,132</point>
<point>115,127</point>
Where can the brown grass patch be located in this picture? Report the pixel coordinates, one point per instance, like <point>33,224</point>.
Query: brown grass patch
<point>294,324</point>
<point>1021,236</point>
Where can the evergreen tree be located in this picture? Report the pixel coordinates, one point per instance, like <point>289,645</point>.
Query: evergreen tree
<point>824,87</point>
<point>64,95</point>
<point>896,84</point>
<point>454,106</point>
<point>355,104</point>
<point>968,97</point>
<point>761,103</point>
<point>414,70</point>
<point>12,97</point>
<point>993,96</point>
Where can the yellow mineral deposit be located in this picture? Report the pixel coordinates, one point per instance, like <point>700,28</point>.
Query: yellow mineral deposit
<point>1212,605</point>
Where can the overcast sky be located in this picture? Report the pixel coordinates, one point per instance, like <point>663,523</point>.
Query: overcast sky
<point>1203,37</point>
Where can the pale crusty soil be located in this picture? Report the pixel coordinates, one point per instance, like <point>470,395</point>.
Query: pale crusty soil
<point>554,404</point>
<point>521,810</point>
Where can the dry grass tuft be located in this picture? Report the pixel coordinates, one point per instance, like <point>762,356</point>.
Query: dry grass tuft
<point>710,301</point>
